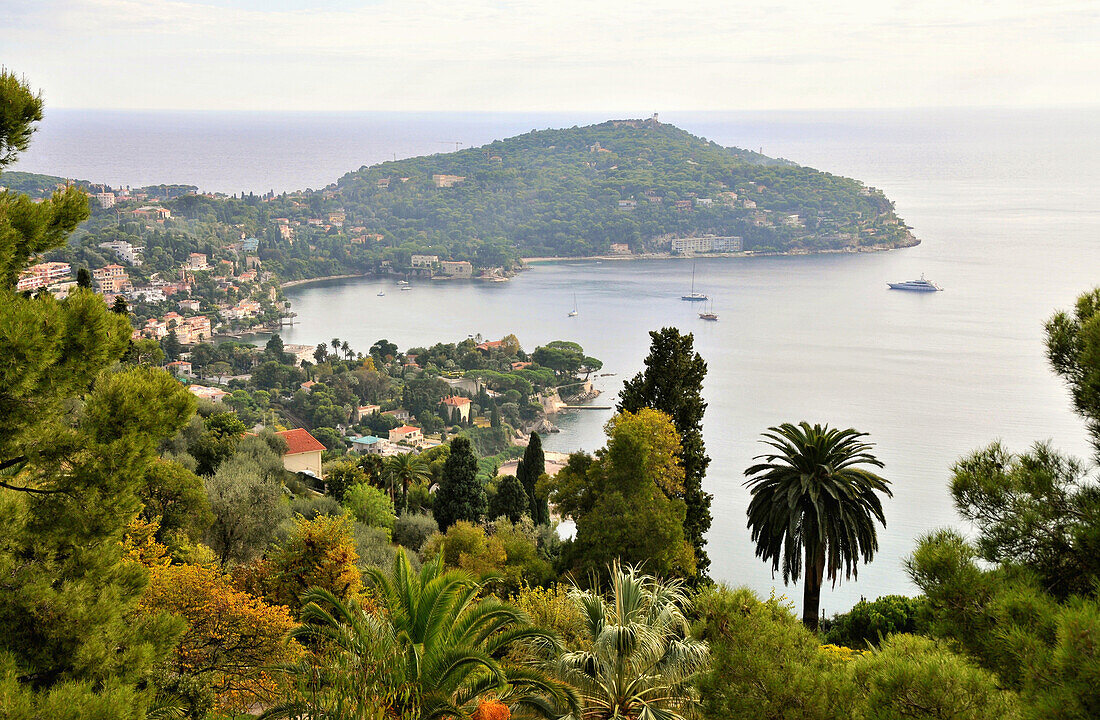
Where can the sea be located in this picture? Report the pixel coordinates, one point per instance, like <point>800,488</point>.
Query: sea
<point>1006,204</point>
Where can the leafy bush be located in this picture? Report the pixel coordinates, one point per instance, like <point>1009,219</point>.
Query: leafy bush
<point>311,507</point>
<point>765,664</point>
<point>871,622</point>
<point>412,530</point>
<point>370,506</point>
<point>373,546</point>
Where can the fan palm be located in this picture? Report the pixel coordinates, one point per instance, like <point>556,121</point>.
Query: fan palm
<point>813,509</point>
<point>406,468</point>
<point>642,660</point>
<point>431,651</point>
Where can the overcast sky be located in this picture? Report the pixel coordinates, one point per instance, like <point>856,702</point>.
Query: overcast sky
<point>553,55</point>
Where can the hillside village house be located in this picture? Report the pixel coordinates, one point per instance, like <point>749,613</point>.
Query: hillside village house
<point>453,403</point>
<point>303,452</point>
<point>179,368</point>
<point>197,261</point>
<point>212,394</point>
<point>400,414</point>
<point>365,411</point>
<point>424,261</point>
<point>371,445</point>
<point>407,433</point>
<point>458,269</point>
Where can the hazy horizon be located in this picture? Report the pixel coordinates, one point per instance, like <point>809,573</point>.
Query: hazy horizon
<point>363,55</point>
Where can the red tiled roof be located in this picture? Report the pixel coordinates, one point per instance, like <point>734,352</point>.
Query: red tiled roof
<point>299,440</point>
<point>405,429</point>
<point>456,401</point>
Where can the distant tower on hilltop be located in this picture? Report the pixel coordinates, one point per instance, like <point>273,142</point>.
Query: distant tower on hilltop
<point>655,120</point>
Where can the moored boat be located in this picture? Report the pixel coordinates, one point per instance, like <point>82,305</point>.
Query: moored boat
<point>921,285</point>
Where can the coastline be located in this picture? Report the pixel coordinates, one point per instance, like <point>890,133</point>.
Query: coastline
<point>704,256</point>
<point>309,281</point>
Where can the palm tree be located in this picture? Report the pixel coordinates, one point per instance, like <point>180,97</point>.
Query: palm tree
<point>642,660</point>
<point>408,468</point>
<point>813,509</point>
<point>347,349</point>
<point>432,650</point>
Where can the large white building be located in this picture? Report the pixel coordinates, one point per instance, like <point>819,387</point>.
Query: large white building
<point>424,260</point>
<point>124,251</point>
<point>105,199</point>
<point>707,243</point>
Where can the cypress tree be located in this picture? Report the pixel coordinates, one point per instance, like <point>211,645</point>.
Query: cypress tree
<point>528,472</point>
<point>510,501</point>
<point>120,306</point>
<point>673,383</point>
<point>83,278</point>
<point>461,495</point>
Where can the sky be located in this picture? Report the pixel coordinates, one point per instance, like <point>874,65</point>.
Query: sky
<point>575,55</point>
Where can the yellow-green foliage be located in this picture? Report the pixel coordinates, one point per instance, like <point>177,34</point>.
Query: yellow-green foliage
<point>319,553</point>
<point>510,553</point>
<point>551,608</point>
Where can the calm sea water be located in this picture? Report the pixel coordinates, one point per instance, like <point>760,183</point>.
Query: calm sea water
<point>1007,206</point>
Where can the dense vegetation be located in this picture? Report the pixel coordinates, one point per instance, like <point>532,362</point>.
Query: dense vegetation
<point>157,560</point>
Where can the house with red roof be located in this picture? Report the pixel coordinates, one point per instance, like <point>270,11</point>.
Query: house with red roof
<point>303,452</point>
<point>405,432</point>
<point>453,403</point>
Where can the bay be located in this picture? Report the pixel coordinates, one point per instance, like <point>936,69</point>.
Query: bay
<point>1006,203</point>
<point>1008,217</point>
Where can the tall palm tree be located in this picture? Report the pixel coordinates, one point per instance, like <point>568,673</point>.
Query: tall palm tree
<point>432,650</point>
<point>813,509</point>
<point>642,659</point>
<point>406,468</point>
<point>346,348</point>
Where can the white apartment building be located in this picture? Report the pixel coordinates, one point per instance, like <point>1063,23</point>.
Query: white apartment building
<point>124,251</point>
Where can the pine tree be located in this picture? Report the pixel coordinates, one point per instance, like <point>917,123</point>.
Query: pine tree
<point>77,443</point>
<point>461,495</point>
<point>528,472</point>
<point>120,306</point>
<point>673,383</point>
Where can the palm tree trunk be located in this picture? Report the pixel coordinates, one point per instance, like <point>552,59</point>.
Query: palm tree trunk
<point>811,598</point>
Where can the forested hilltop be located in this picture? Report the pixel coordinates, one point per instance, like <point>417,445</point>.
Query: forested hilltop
<point>579,190</point>
<point>623,186</point>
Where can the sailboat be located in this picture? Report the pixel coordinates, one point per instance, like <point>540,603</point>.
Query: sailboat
<point>693,296</point>
<point>709,313</point>
<point>574,312</point>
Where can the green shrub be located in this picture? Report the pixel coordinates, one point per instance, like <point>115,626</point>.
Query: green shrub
<point>915,677</point>
<point>370,506</point>
<point>765,664</point>
<point>869,623</point>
